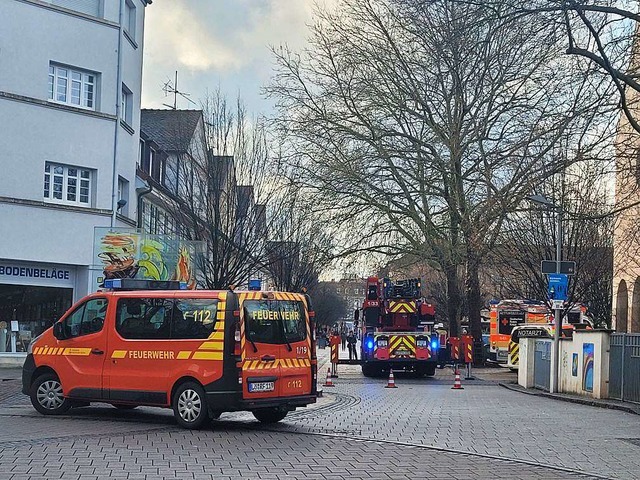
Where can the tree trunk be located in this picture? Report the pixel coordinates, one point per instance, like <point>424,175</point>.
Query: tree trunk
<point>474,298</point>
<point>454,299</point>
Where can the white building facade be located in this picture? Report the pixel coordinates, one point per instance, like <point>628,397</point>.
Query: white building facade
<point>70,82</point>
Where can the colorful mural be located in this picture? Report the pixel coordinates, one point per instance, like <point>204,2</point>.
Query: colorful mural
<point>129,253</point>
<point>587,366</point>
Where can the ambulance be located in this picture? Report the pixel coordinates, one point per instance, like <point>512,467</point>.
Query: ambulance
<point>198,352</point>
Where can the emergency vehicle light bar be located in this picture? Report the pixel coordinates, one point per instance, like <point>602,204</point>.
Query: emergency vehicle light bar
<point>141,284</point>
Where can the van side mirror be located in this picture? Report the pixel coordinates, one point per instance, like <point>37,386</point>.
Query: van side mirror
<point>58,331</point>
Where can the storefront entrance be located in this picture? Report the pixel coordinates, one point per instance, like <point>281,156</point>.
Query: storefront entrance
<point>27,311</point>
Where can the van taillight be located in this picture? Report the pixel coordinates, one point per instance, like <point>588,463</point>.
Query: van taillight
<point>237,348</point>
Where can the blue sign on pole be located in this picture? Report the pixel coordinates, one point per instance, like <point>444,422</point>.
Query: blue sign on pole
<point>558,286</point>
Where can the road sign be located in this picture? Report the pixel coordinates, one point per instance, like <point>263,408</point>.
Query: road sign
<point>557,304</point>
<point>551,266</point>
<point>558,286</point>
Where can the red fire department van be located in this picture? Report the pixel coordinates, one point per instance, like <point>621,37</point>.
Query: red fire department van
<point>199,352</point>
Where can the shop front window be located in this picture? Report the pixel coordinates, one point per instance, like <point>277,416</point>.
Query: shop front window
<point>27,311</point>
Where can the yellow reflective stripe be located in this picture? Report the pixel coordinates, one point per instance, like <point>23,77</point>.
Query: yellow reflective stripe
<point>60,351</point>
<point>217,335</point>
<point>220,315</point>
<point>207,356</point>
<point>184,355</point>
<point>395,343</point>
<point>119,354</point>
<point>36,351</point>
<point>217,345</point>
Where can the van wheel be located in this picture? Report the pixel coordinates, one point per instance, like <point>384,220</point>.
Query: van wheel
<point>270,415</point>
<point>46,395</point>
<point>190,406</point>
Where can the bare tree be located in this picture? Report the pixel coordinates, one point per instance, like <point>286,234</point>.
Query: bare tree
<point>530,236</point>
<point>329,307</point>
<point>228,193</point>
<point>420,125</point>
<point>602,33</point>
<point>299,250</point>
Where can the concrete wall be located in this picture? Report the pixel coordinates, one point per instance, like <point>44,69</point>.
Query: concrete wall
<point>525,367</point>
<point>572,377</point>
<point>36,130</point>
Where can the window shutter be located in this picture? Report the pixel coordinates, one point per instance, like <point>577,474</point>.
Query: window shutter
<point>90,7</point>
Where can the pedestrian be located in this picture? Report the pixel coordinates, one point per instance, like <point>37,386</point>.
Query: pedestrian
<point>343,336</point>
<point>351,341</point>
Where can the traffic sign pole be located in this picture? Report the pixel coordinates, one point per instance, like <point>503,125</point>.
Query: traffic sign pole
<point>558,313</point>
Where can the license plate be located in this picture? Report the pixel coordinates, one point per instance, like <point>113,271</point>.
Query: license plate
<point>262,387</point>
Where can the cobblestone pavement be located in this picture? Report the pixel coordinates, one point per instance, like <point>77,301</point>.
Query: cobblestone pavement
<point>359,429</point>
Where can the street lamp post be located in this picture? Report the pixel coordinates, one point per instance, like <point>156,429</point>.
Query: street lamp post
<point>539,199</point>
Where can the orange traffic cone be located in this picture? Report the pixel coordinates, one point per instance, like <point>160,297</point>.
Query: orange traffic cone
<point>328,382</point>
<point>457,384</point>
<point>392,381</point>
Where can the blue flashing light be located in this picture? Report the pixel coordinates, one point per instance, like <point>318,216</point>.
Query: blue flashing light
<point>255,284</point>
<point>142,284</point>
<point>370,345</point>
<point>434,344</point>
<point>113,283</point>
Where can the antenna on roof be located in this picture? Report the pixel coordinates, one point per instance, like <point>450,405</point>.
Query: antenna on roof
<point>171,87</point>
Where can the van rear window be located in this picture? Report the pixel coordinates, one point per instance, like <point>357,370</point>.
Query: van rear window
<point>275,321</point>
<point>162,318</point>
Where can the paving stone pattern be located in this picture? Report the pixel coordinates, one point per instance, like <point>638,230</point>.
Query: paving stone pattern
<point>232,452</point>
<point>346,435</point>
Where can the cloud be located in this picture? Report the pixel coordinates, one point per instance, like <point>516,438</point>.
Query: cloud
<point>219,43</point>
<point>177,35</point>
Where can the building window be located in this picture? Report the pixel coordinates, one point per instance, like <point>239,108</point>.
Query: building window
<point>130,18</point>
<point>156,166</point>
<point>123,196</point>
<point>126,107</point>
<point>72,87</point>
<point>66,184</point>
<point>153,160</point>
<point>88,7</point>
<point>157,221</point>
<point>140,161</point>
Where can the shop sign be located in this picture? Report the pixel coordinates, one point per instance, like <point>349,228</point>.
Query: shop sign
<point>37,274</point>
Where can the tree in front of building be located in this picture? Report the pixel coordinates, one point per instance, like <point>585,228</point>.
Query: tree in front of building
<point>420,125</point>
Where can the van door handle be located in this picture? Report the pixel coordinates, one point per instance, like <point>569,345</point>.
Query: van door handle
<point>96,351</point>
<point>268,358</point>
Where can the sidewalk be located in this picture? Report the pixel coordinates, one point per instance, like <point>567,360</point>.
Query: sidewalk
<point>565,397</point>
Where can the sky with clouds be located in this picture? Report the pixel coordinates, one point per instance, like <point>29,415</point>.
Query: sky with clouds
<point>218,43</point>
